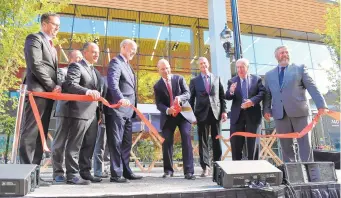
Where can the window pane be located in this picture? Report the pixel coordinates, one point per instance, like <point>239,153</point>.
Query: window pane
<point>265,48</point>
<point>155,33</point>
<point>247,47</point>
<point>321,56</point>
<point>299,52</point>
<point>262,69</point>
<point>120,28</point>
<point>90,24</point>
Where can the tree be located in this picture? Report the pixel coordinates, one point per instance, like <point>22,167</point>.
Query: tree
<point>331,37</point>
<point>18,19</point>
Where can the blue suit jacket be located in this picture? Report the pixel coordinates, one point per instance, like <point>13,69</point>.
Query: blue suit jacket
<point>256,94</point>
<point>179,88</point>
<point>291,96</point>
<point>121,84</point>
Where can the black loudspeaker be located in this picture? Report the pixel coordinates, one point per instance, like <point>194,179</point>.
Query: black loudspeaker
<point>307,172</point>
<point>327,156</point>
<point>18,179</point>
<point>235,174</point>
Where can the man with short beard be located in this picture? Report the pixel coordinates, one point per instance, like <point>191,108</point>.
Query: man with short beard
<point>285,100</point>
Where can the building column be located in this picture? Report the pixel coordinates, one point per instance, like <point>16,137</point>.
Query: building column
<point>219,62</point>
<point>216,19</point>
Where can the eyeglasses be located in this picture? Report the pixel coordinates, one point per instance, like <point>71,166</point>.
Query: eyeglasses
<point>54,24</point>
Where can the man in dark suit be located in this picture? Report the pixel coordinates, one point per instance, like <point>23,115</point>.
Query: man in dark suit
<point>121,90</point>
<point>84,79</point>
<point>169,91</point>
<point>246,92</point>
<point>207,100</point>
<point>41,76</point>
<point>286,102</point>
<point>60,137</point>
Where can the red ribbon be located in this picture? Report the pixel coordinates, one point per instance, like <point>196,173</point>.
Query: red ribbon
<point>75,97</point>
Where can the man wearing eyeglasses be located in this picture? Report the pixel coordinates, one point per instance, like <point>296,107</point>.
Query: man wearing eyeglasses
<point>41,76</point>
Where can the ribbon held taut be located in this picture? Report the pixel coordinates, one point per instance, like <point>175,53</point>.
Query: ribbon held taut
<point>75,97</point>
<point>309,127</point>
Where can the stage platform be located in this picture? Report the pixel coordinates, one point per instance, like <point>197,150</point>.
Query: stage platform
<point>151,186</point>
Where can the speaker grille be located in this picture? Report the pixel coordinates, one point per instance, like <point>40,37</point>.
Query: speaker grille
<point>294,173</point>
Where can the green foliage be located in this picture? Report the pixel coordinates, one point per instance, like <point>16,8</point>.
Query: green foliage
<point>18,19</point>
<point>331,37</point>
<point>146,81</point>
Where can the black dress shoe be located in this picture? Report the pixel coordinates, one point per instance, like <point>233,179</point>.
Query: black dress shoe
<point>133,177</point>
<point>189,176</point>
<point>119,180</point>
<point>91,178</point>
<point>165,175</point>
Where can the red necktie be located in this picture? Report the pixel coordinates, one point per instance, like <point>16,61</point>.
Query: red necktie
<point>170,93</point>
<point>51,43</point>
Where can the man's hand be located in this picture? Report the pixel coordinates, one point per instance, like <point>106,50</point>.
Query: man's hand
<point>57,89</point>
<point>233,87</point>
<point>94,94</point>
<point>124,102</point>
<point>247,103</point>
<point>223,117</point>
<point>267,116</point>
<point>322,111</point>
<point>177,100</point>
<point>171,111</point>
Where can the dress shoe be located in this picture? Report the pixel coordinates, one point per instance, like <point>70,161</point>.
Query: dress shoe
<point>189,176</point>
<point>91,178</point>
<point>78,181</point>
<point>119,180</point>
<point>133,177</point>
<point>103,175</point>
<point>59,179</point>
<point>205,172</point>
<point>44,182</point>
<point>165,175</point>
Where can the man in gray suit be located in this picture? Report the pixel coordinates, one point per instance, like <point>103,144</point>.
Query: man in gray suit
<point>84,79</point>
<point>286,102</point>
<point>209,106</point>
<point>60,137</point>
<point>41,76</point>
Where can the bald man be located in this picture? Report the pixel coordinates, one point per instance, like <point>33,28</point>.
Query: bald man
<point>172,90</point>
<point>83,79</point>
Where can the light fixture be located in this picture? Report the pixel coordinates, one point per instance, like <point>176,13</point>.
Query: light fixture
<point>175,46</point>
<point>227,40</point>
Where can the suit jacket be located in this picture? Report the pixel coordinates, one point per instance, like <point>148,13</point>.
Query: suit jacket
<point>41,64</point>
<point>61,74</point>
<point>121,84</point>
<point>256,92</point>
<point>162,99</point>
<point>292,95</point>
<point>79,79</point>
<point>201,101</point>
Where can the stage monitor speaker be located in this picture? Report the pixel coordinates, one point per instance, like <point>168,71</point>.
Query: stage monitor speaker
<point>18,179</point>
<point>306,172</point>
<point>232,174</point>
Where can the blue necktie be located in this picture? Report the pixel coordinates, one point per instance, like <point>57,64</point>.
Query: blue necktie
<point>244,89</point>
<point>281,76</point>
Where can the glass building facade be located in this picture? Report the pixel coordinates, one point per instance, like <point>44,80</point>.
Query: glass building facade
<point>182,40</point>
